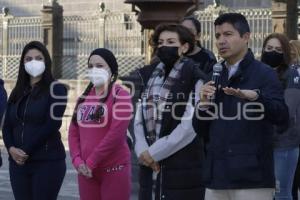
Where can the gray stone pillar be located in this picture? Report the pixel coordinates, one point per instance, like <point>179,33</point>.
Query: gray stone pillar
<point>278,16</point>
<point>285,17</point>
<point>52,25</point>
<point>5,21</point>
<point>292,19</point>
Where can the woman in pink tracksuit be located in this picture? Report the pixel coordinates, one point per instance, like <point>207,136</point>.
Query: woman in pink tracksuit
<point>97,134</point>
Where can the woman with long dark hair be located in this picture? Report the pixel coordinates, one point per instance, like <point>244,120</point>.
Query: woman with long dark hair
<point>277,54</point>
<point>97,134</point>
<point>31,128</point>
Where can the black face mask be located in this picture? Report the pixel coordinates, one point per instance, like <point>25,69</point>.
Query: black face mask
<point>272,58</point>
<point>168,55</point>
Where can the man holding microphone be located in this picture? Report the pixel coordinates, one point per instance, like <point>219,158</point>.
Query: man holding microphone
<point>236,116</point>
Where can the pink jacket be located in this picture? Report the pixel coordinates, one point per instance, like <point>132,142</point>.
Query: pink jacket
<point>101,144</point>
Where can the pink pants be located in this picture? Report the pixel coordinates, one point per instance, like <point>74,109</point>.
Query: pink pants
<point>107,184</point>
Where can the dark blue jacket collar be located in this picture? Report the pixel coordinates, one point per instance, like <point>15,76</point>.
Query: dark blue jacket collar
<point>247,60</point>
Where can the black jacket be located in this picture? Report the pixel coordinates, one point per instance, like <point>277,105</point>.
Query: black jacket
<point>289,136</point>
<point>240,151</point>
<point>3,99</point>
<point>33,122</point>
<point>204,59</point>
<point>180,173</point>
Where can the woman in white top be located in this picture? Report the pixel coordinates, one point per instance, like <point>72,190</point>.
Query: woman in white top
<point>165,140</point>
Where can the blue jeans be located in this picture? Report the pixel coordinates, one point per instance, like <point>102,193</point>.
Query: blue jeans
<point>285,160</point>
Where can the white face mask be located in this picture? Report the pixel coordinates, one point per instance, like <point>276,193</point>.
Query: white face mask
<point>98,76</point>
<point>35,68</point>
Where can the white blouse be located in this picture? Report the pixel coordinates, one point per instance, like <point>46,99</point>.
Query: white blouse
<point>165,146</point>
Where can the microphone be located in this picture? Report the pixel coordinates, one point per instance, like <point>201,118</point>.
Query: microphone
<point>217,70</point>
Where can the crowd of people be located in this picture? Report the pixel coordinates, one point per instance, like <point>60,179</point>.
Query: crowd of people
<point>226,130</point>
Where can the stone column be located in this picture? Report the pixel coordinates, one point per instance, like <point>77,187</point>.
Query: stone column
<point>5,21</point>
<point>285,17</point>
<point>292,19</point>
<point>52,25</point>
<point>278,16</point>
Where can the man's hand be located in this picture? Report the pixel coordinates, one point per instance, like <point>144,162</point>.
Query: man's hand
<point>207,91</point>
<point>250,95</point>
<point>18,155</point>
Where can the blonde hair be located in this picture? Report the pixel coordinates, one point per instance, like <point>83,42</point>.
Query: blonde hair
<point>295,46</point>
